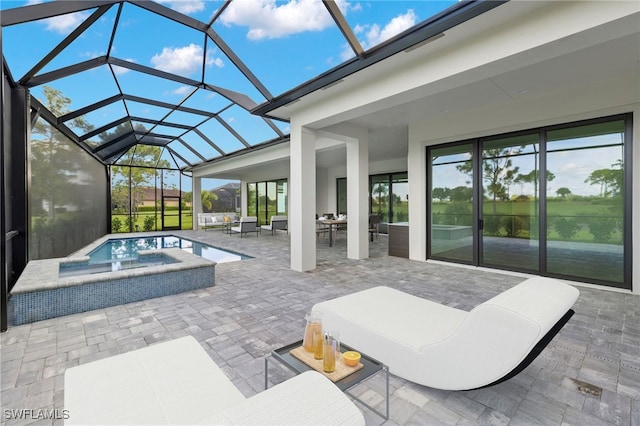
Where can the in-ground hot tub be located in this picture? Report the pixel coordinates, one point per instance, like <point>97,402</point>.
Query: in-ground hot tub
<point>451,232</point>
<point>43,293</point>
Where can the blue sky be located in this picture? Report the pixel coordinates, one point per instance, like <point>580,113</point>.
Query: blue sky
<point>284,43</point>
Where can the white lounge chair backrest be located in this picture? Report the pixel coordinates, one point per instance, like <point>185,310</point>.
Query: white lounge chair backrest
<point>278,222</point>
<point>248,223</point>
<point>448,348</point>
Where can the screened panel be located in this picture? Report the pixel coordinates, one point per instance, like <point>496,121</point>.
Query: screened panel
<point>48,32</point>
<point>93,44</point>
<point>109,134</point>
<point>202,146</point>
<point>207,100</point>
<point>68,196</point>
<point>282,34</point>
<point>221,136</point>
<point>253,129</point>
<point>177,48</point>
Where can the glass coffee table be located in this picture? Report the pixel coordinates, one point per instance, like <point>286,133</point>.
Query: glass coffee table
<point>370,368</point>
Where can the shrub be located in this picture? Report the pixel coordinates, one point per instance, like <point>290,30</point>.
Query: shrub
<point>566,228</point>
<point>459,213</point>
<point>491,225</point>
<point>149,223</point>
<point>601,228</point>
<point>514,225</point>
<point>116,224</point>
<point>129,222</point>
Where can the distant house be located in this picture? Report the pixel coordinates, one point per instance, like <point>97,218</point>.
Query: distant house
<point>228,198</point>
<point>149,196</point>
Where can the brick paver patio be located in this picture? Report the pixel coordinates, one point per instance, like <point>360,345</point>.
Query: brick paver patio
<point>588,375</point>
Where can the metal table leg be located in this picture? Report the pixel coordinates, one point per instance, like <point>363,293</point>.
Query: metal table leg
<point>331,235</point>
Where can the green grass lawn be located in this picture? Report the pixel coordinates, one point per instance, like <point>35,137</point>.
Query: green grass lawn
<point>171,220</point>
<point>583,212</point>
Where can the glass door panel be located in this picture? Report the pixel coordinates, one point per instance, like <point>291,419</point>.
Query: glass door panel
<point>282,197</point>
<point>171,200</point>
<point>585,201</point>
<point>342,195</point>
<point>400,194</point>
<point>380,197</point>
<point>252,199</point>
<point>272,208</point>
<point>509,204</point>
<point>451,192</point>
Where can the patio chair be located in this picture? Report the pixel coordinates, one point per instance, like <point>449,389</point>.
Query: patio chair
<point>447,348</point>
<point>277,223</point>
<point>374,226</point>
<point>247,224</point>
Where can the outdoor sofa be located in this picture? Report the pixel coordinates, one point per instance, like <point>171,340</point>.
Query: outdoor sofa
<point>215,220</point>
<point>447,348</point>
<point>176,382</point>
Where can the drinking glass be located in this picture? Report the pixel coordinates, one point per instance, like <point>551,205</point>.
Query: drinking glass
<point>329,360</point>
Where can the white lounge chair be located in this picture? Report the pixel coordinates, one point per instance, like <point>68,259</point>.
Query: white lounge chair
<point>446,348</point>
<point>277,223</point>
<point>176,382</point>
<point>247,224</point>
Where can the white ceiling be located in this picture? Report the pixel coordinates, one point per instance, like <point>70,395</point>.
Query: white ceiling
<point>610,61</point>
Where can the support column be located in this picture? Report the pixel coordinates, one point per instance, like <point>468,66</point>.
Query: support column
<point>416,173</point>
<point>357,193</point>
<point>196,200</point>
<point>244,199</point>
<point>302,198</point>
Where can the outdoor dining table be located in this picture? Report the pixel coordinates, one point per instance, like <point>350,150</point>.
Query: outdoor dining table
<point>332,223</point>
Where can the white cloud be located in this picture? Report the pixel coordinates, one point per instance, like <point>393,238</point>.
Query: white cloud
<point>374,34</point>
<point>218,62</point>
<point>64,24</point>
<point>270,19</point>
<point>184,6</point>
<point>182,90</point>
<point>183,60</point>
<point>122,70</point>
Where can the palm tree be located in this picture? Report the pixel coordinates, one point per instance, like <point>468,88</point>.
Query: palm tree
<point>207,198</point>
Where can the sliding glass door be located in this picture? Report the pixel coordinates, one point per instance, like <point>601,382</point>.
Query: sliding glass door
<point>509,202</point>
<point>585,201</point>
<point>266,199</point>
<point>551,201</point>
<point>451,226</point>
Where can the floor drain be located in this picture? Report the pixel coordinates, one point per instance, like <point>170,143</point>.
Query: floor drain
<point>587,388</point>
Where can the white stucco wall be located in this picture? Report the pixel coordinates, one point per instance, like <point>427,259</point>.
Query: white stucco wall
<point>480,73</point>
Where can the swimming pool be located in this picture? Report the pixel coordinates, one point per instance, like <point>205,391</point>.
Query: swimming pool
<point>84,267</point>
<point>127,248</point>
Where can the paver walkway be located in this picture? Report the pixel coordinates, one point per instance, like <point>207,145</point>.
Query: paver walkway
<point>589,375</point>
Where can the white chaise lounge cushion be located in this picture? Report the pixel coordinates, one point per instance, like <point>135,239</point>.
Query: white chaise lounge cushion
<point>177,383</point>
<point>307,399</point>
<point>448,348</point>
<point>174,382</point>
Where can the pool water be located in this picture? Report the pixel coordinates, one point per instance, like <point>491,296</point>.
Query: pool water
<point>127,248</point>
